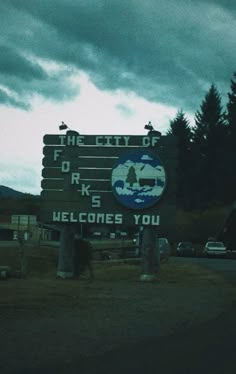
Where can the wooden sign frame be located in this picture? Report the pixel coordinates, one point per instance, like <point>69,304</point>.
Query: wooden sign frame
<point>76,184</point>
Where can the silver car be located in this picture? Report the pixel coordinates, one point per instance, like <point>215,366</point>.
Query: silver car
<point>215,249</point>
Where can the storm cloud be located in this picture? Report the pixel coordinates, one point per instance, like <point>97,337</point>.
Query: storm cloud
<point>168,52</point>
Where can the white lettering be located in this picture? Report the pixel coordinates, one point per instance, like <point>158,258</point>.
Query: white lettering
<point>126,139</point>
<point>56,154</point>
<point>109,218</point>
<point>100,218</point>
<point>118,219</point>
<point>156,220</point>
<point>136,219</point>
<point>117,140</point>
<point>99,140</point>
<point>64,217</point>
<point>85,189</point>
<point>108,140</point>
<point>80,140</point>
<point>146,220</point>
<point>96,201</point>
<point>56,216</point>
<point>65,166</point>
<point>91,218</point>
<point>62,139</point>
<point>75,177</point>
<point>72,217</point>
<point>71,140</point>
<point>82,217</point>
<point>154,140</point>
<point>146,141</point>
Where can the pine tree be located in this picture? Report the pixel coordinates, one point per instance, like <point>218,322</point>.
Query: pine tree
<point>231,143</point>
<point>210,122</point>
<point>180,127</point>
<point>209,140</point>
<point>131,176</point>
<point>231,108</point>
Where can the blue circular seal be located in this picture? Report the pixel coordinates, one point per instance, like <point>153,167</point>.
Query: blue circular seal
<point>138,179</point>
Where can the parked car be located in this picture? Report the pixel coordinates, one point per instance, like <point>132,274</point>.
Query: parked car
<point>185,249</point>
<point>215,249</point>
<point>164,247</point>
<point>163,244</point>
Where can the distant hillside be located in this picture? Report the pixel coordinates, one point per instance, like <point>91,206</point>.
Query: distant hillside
<point>9,192</point>
<point>16,202</point>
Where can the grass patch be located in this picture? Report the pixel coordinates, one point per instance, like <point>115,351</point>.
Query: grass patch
<point>41,291</point>
<point>41,263</point>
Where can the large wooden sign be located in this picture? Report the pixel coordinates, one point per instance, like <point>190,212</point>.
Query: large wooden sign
<point>108,179</point>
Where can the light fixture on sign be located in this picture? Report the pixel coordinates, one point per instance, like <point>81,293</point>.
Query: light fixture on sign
<point>63,126</point>
<point>151,130</point>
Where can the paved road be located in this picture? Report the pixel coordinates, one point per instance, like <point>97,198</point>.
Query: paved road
<point>209,348</point>
<point>227,267</point>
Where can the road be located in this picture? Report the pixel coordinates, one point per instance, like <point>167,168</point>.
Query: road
<point>208,348</point>
<point>227,267</point>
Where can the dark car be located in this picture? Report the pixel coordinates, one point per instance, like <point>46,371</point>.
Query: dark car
<point>185,249</point>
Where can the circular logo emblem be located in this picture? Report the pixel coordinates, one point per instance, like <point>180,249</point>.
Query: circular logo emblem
<point>138,179</point>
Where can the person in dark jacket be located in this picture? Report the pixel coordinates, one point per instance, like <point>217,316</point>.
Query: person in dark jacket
<point>82,257</point>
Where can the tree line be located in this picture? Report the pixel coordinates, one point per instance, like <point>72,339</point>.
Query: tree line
<point>207,154</point>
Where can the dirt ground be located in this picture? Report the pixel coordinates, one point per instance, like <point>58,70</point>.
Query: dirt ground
<point>44,319</point>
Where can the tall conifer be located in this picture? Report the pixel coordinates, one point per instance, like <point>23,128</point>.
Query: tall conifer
<point>231,143</point>
<point>180,127</point>
<point>209,136</point>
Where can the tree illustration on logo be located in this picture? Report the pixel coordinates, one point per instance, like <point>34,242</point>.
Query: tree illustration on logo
<point>131,176</point>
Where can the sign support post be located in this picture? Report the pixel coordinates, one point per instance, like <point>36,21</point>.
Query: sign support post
<point>65,255</point>
<point>150,255</point>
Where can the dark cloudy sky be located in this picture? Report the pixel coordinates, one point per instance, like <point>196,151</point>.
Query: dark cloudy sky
<point>162,52</point>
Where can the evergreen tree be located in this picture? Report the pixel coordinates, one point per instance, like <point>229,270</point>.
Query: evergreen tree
<point>231,142</point>
<point>131,176</point>
<point>180,127</point>
<point>231,108</point>
<point>210,122</point>
<point>209,144</point>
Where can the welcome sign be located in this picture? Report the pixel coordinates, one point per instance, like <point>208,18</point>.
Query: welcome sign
<point>108,179</point>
